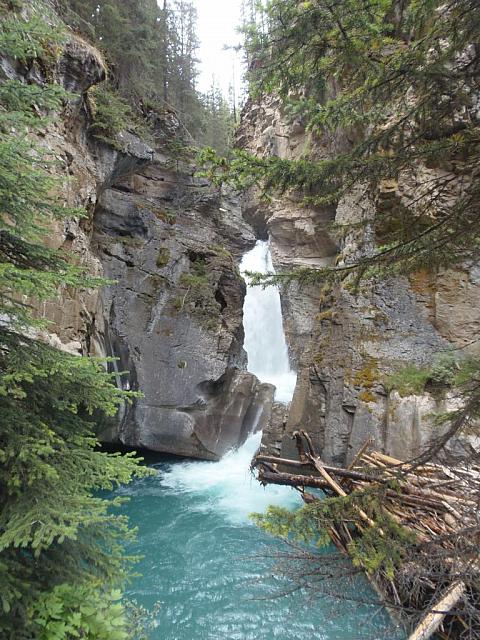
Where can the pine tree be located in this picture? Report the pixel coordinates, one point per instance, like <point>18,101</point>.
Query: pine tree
<point>61,548</point>
<point>131,33</point>
<point>218,122</point>
<point>151,52</point>
<point>397,84</point>
<point>151,49</point>
<point>401,84</point>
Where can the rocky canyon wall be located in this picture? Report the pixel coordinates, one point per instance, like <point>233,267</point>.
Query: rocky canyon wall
<point>169,245</point>
<point>174,315</point>
<point>345,345</point>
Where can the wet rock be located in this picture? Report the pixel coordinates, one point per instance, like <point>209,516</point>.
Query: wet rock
<point>273,431</point>
<point>175,312</point>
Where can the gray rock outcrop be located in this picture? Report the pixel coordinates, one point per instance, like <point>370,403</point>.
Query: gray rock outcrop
<point>174,315</point>
<point>345,345</point>
<point>170,246</point>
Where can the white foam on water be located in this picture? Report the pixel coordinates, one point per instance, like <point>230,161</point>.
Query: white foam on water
<point>228,486</point>
<point>262,319</point>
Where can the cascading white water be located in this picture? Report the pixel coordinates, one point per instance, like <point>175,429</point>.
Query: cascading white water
<point>227,486</point>
<point>264,336</point>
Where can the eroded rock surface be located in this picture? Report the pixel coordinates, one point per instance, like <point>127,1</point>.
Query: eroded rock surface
<point>345,344</point>
<point>170,245</point>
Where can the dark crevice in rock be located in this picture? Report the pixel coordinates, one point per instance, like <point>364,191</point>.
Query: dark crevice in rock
<point>196,256</point>
<point>256,216</point>
<point>117,349</point>
<point>211,388</point>
<point>123,188</point>
<point>220,298</point>
<point>129,263</point>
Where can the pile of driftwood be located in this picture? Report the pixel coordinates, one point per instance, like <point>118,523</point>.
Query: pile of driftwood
<point>439,582</point>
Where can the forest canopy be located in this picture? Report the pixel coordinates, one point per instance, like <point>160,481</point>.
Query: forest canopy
<point>151,50</point>
<point>397,82</point>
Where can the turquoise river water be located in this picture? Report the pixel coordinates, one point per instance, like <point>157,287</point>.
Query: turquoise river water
<point>199,565</point>
<point>204,563</point>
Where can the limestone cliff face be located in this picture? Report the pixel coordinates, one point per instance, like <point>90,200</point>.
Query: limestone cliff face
<point>344,346</point>
<point>174,316</point>
<point>170,245</point>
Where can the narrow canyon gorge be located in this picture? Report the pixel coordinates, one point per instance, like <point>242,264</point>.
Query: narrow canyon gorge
<point>172,243</point>
<point>242,319</point>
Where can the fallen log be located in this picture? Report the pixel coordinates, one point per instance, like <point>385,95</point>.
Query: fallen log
<point>342,473</point>
<point>363,449</point>
<point>433,502</point>
<point>299,436</point>
<point>285,461</point>
<point>417,500</point>
<point>292,480</point>
<point>320,467</point>
<point>398,465</point>
<point>437,613</point>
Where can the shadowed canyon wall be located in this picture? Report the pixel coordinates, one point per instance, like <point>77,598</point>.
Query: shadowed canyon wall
<point>170,245</point>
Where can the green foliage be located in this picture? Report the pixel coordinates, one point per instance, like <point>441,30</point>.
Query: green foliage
<point>408,380</point>
<point>386,91</point>
<point>34,39</point>
<point>299,526</point>
<point>10,5</point>
<point>378,549</point>
<point>218,123</point>
<point>195,281</point>
<point>111,115</point>
<point>141,622</point>
<point>86,612</point>
<point>61,548</point>
<point>394,82</point>
<point>385,553</point>
<point>199,273</point>
<point>151,50</point>
<point>450,372</point>
<point>199,297</point>
<point>179,149</point>
<point>447,370</point>
<point>130,36</point>
<point>28,201</point>
<point>223,252</point>
<point>29,205</point>
<point>21,102</point>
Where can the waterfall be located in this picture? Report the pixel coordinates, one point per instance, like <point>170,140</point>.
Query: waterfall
<point>264,336</point>
<point>227,487</point>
